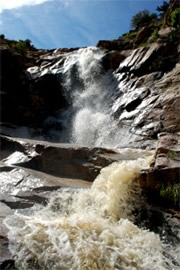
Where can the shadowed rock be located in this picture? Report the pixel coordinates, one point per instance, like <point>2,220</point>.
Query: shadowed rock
<point>162,179</point>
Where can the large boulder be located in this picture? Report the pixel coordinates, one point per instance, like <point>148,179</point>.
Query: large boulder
<point>161,181</point>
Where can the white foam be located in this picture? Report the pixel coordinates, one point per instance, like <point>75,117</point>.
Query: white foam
<point>89,229</point>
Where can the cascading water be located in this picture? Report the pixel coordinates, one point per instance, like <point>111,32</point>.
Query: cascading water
<point>91,229</point>
<point>88,87</point>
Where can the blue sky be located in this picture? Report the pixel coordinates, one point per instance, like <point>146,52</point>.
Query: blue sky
<point>69,23</point>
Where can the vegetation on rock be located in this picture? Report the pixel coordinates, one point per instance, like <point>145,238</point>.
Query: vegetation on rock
<point>147,25</point>
<point>162,9</point>
<point>171,192</point>
<point>175,18</point>
<point>143,18</point>
<point>22,46</point>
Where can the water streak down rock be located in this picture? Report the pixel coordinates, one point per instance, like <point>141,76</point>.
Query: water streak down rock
<point>133,93</point>
<point>109,96</point>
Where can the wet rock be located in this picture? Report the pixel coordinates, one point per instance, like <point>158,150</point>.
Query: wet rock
<point>131,60</point>
<point>27,185</point>
<point>148,104</point>
<point>142,65</point>
<point>5,255</point>
<point>30,184</point>
<point>162,180</point>
<point>144,100</point>
<point>8,147</point>
<point>150,59</point>
<point>58,159</point>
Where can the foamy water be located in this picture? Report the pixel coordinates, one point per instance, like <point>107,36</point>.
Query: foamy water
<point>90,229</point>
<point>87,88</point>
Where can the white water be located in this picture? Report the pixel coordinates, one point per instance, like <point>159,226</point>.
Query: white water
<point>90,229</point>
<point>88,87</point>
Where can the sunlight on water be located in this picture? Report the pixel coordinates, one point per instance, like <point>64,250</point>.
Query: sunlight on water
<point>92,123</point>
<point>87,87</point>
<point>90,229</point>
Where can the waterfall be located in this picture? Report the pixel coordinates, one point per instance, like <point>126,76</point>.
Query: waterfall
<point>87,87</point>
<point>96,228</point>
<point>91,229</point>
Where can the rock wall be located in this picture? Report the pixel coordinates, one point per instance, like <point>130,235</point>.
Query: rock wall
<point>145,102</point>
<point>25,101</point>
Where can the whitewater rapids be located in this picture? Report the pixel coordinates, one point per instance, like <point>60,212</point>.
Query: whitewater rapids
<point>90,229</point>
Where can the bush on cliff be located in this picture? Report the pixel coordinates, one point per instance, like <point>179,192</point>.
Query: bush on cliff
<point>162,9</point>
<point>175,18</point>
<point>143,18</point>
<point>22,46</point>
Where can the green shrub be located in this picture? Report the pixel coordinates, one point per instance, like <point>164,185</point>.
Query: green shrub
<point>163,8</point>
<point>2,36</point>
<point>173,37</point>
<point>142,18</point>
<point>22,46</point>
<point>129,35</point>
<point>144,44</point>
<point>173,155</point>
<point>175,17</point>
<point>155,33</point>
<point>171,192</point>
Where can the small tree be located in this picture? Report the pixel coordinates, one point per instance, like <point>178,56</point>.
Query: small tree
<point>175,18</point>
<point>142,18</point>
<point>2,36</point>
<point>163,8</point>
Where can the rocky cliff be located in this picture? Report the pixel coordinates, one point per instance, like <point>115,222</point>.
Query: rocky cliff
<point>133,88</point>
<point>144,95</point>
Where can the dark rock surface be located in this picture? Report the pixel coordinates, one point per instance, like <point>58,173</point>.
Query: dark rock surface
<point>163,178</point>
<point>143,34</point>
<point>31,101</point>
<point>115,45</point>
